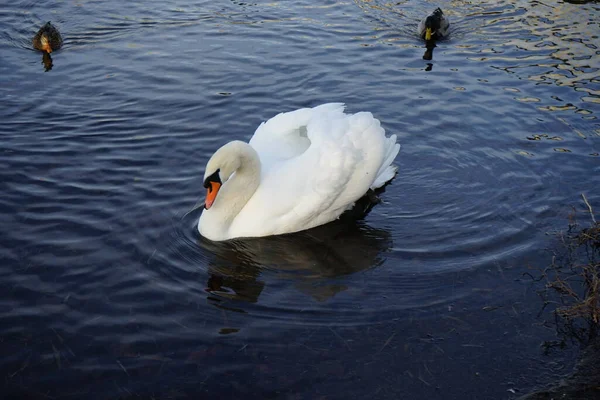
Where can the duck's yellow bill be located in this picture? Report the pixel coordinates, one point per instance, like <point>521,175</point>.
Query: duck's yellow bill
<point>211,194</point>
<point>428,34</point>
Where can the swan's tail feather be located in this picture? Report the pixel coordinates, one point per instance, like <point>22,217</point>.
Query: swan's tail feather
<point>387,175</point>
<point>331,107</point>
<point>387,171</point>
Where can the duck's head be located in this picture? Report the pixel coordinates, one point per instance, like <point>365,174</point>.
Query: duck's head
<point>433,22</point>
<point>47,39</point>
<point>45,43</point>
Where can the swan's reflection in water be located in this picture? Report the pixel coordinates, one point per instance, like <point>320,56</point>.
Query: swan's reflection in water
<point>309,259</point>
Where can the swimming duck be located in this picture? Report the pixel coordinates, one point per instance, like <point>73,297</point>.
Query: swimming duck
<point>434,27</point>
<point>300,169</point>
<point>47,39</point>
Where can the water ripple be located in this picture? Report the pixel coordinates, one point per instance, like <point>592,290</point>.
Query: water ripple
<point>105,276</point>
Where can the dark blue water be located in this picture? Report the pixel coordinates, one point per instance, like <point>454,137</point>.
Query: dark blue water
<point>106,289</point>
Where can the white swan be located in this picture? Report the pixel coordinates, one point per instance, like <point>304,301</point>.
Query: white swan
<point>301,169</point>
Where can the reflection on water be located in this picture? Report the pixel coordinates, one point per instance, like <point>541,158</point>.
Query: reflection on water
<point>102,284</point>
<point>308,258</point>
<point>429,46</point>
<point>551,44</point>
<point>47,61</point>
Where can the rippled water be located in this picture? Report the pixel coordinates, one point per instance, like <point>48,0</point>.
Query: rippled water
<point>107,289</point>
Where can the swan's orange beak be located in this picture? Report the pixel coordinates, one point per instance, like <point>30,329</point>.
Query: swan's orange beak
<point>211,194</point>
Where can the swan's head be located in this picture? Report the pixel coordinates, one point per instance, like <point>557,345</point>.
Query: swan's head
<point>212,183</point>
<point>219,169</point>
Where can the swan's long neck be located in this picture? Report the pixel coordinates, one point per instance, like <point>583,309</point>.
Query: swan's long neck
<point>240,187</point>
<point>235,192</point>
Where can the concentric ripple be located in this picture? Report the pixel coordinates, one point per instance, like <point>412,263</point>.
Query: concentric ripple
<point>108,291</point>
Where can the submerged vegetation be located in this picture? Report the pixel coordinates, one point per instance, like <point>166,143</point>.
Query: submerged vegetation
<point>574,275</point>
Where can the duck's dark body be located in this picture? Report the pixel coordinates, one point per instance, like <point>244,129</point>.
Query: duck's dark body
<point>435,25</point>
<point>48,39</point>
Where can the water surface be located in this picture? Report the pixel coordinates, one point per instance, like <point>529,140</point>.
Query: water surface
<point>107,289</point>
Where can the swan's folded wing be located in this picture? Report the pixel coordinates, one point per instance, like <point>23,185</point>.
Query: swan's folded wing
<point>343,159</point>
<point>285,136</point>
<point>342,162</point>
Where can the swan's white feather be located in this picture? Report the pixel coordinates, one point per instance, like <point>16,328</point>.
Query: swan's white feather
<point>315,164</point>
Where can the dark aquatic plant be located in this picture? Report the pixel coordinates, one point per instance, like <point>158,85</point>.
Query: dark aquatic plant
<point>574,274</point>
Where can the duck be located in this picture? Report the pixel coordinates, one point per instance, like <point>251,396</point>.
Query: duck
<point>435,26</point>
<point>301,169</point>
<point>47,39</point>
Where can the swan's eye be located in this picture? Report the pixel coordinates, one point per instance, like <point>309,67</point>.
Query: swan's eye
<point>214,177</point>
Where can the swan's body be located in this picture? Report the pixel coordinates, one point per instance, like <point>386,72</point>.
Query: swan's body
<point>48,38</point>
<point>301,169</point>
<point>435,26</point>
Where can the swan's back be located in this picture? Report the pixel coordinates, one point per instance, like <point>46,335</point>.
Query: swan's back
<point>285,135</point>
<point>316,163</point>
